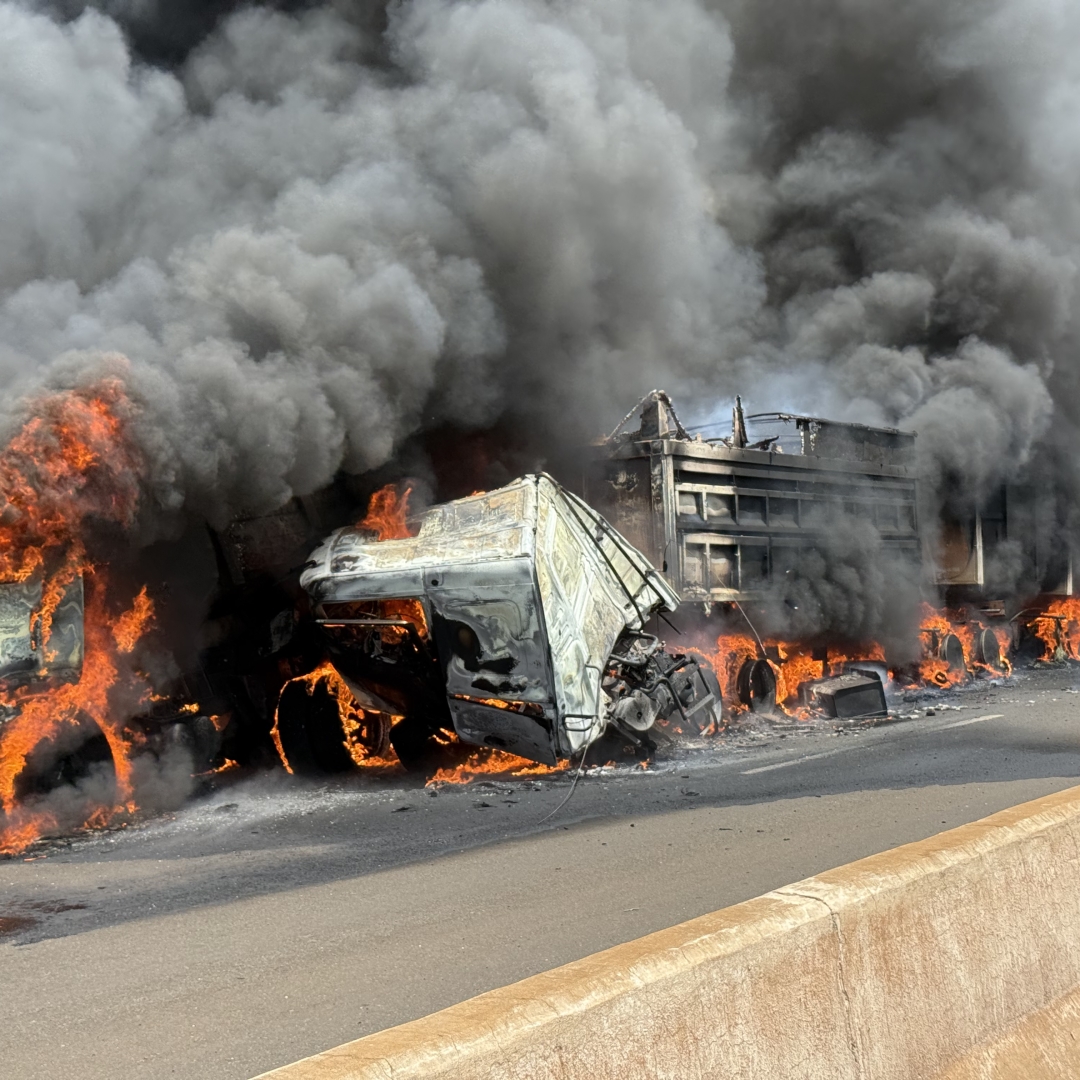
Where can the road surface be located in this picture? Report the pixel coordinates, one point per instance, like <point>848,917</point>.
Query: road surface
<point>276,918</point>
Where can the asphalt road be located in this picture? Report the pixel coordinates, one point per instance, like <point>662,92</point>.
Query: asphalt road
<point>273,919</point>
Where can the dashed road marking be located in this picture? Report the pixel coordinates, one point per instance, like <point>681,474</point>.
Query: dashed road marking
<point>841,749</point>
<point>794,761</point>
<point>972,720</point>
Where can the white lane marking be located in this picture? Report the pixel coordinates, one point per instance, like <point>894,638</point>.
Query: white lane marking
<point>841,749</point>
<point>972,720</point>
<point>794,761</point>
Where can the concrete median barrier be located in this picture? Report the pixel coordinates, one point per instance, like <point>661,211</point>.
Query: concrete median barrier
<point>955,958</point>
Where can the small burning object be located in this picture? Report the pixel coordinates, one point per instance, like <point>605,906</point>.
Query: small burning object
<point>516,618</point>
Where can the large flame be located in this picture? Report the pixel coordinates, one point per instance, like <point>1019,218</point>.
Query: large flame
<point>793,665</point>
<point>68,466</point>
<point>936,626</point>
<point>732,651</point>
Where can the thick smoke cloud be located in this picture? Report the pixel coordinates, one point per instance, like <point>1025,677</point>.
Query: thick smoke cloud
<point>305,232</point>
<point>303,257</point>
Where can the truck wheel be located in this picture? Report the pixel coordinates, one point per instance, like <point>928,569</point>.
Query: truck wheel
<point>373,734</point>
<point>951,650</point>
<point>756,685</point>
<point>708,719</point>
<point>988,649</point>
<point>46,770</point>
<point>310,731</point>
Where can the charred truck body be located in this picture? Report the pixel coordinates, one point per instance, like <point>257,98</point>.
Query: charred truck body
<point>516,617</point>
<point>22,658</point>
<point>725,519</point>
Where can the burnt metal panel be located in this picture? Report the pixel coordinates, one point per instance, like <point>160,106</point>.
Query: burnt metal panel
<point>855,695</point>
<point>23,659</point>
<point>622,490</point>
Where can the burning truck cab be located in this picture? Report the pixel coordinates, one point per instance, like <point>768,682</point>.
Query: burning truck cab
<point>515,618</point>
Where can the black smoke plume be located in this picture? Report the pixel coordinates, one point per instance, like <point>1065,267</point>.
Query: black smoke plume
<point>307,234</point>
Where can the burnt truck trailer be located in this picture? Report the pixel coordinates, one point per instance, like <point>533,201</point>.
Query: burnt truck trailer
<point>726,519</point>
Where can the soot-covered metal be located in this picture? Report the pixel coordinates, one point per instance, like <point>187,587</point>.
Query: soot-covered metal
<point>518,617</point>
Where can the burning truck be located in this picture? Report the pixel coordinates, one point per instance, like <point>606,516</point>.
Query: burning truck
<point>525,620</point>
<point>516,619</point>
<point>730,519</point>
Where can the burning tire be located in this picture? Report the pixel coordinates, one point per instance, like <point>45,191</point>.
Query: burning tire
<point>310,730</point>
<point>756,685</point>
<point>68,763</point>
<point>951,650</point>
<point>988,649</point>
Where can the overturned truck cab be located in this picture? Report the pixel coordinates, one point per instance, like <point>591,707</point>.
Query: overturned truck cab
<point>517,617</point>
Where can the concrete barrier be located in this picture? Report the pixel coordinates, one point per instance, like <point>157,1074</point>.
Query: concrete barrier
<point>955,958</point>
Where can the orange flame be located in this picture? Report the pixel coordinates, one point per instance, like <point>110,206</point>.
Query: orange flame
<point>15,839</point>
<point>405,608</point>
<point>732,651</point>
<point>794,669</point>
<point>355,725</point>
<point>935,625</point>
<point>133,624</point>
<point>69,464</point>
<point>489,762</point>
<point>793,664</point>
<point>40,718</point>
<point>386,514</point>
<point>228,765</point>
<point>1058,628</point>
<point>355,722</point>
<point>934,670</point>
<point>796,666</point>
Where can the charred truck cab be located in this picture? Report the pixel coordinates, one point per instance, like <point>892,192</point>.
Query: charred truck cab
<point>517,618</point>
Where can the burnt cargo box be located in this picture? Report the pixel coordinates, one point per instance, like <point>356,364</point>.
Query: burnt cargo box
<point>855,695</point>
<point>729,519</point>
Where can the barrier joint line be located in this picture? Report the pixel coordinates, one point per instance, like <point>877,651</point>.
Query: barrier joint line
<point>841,976</point>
